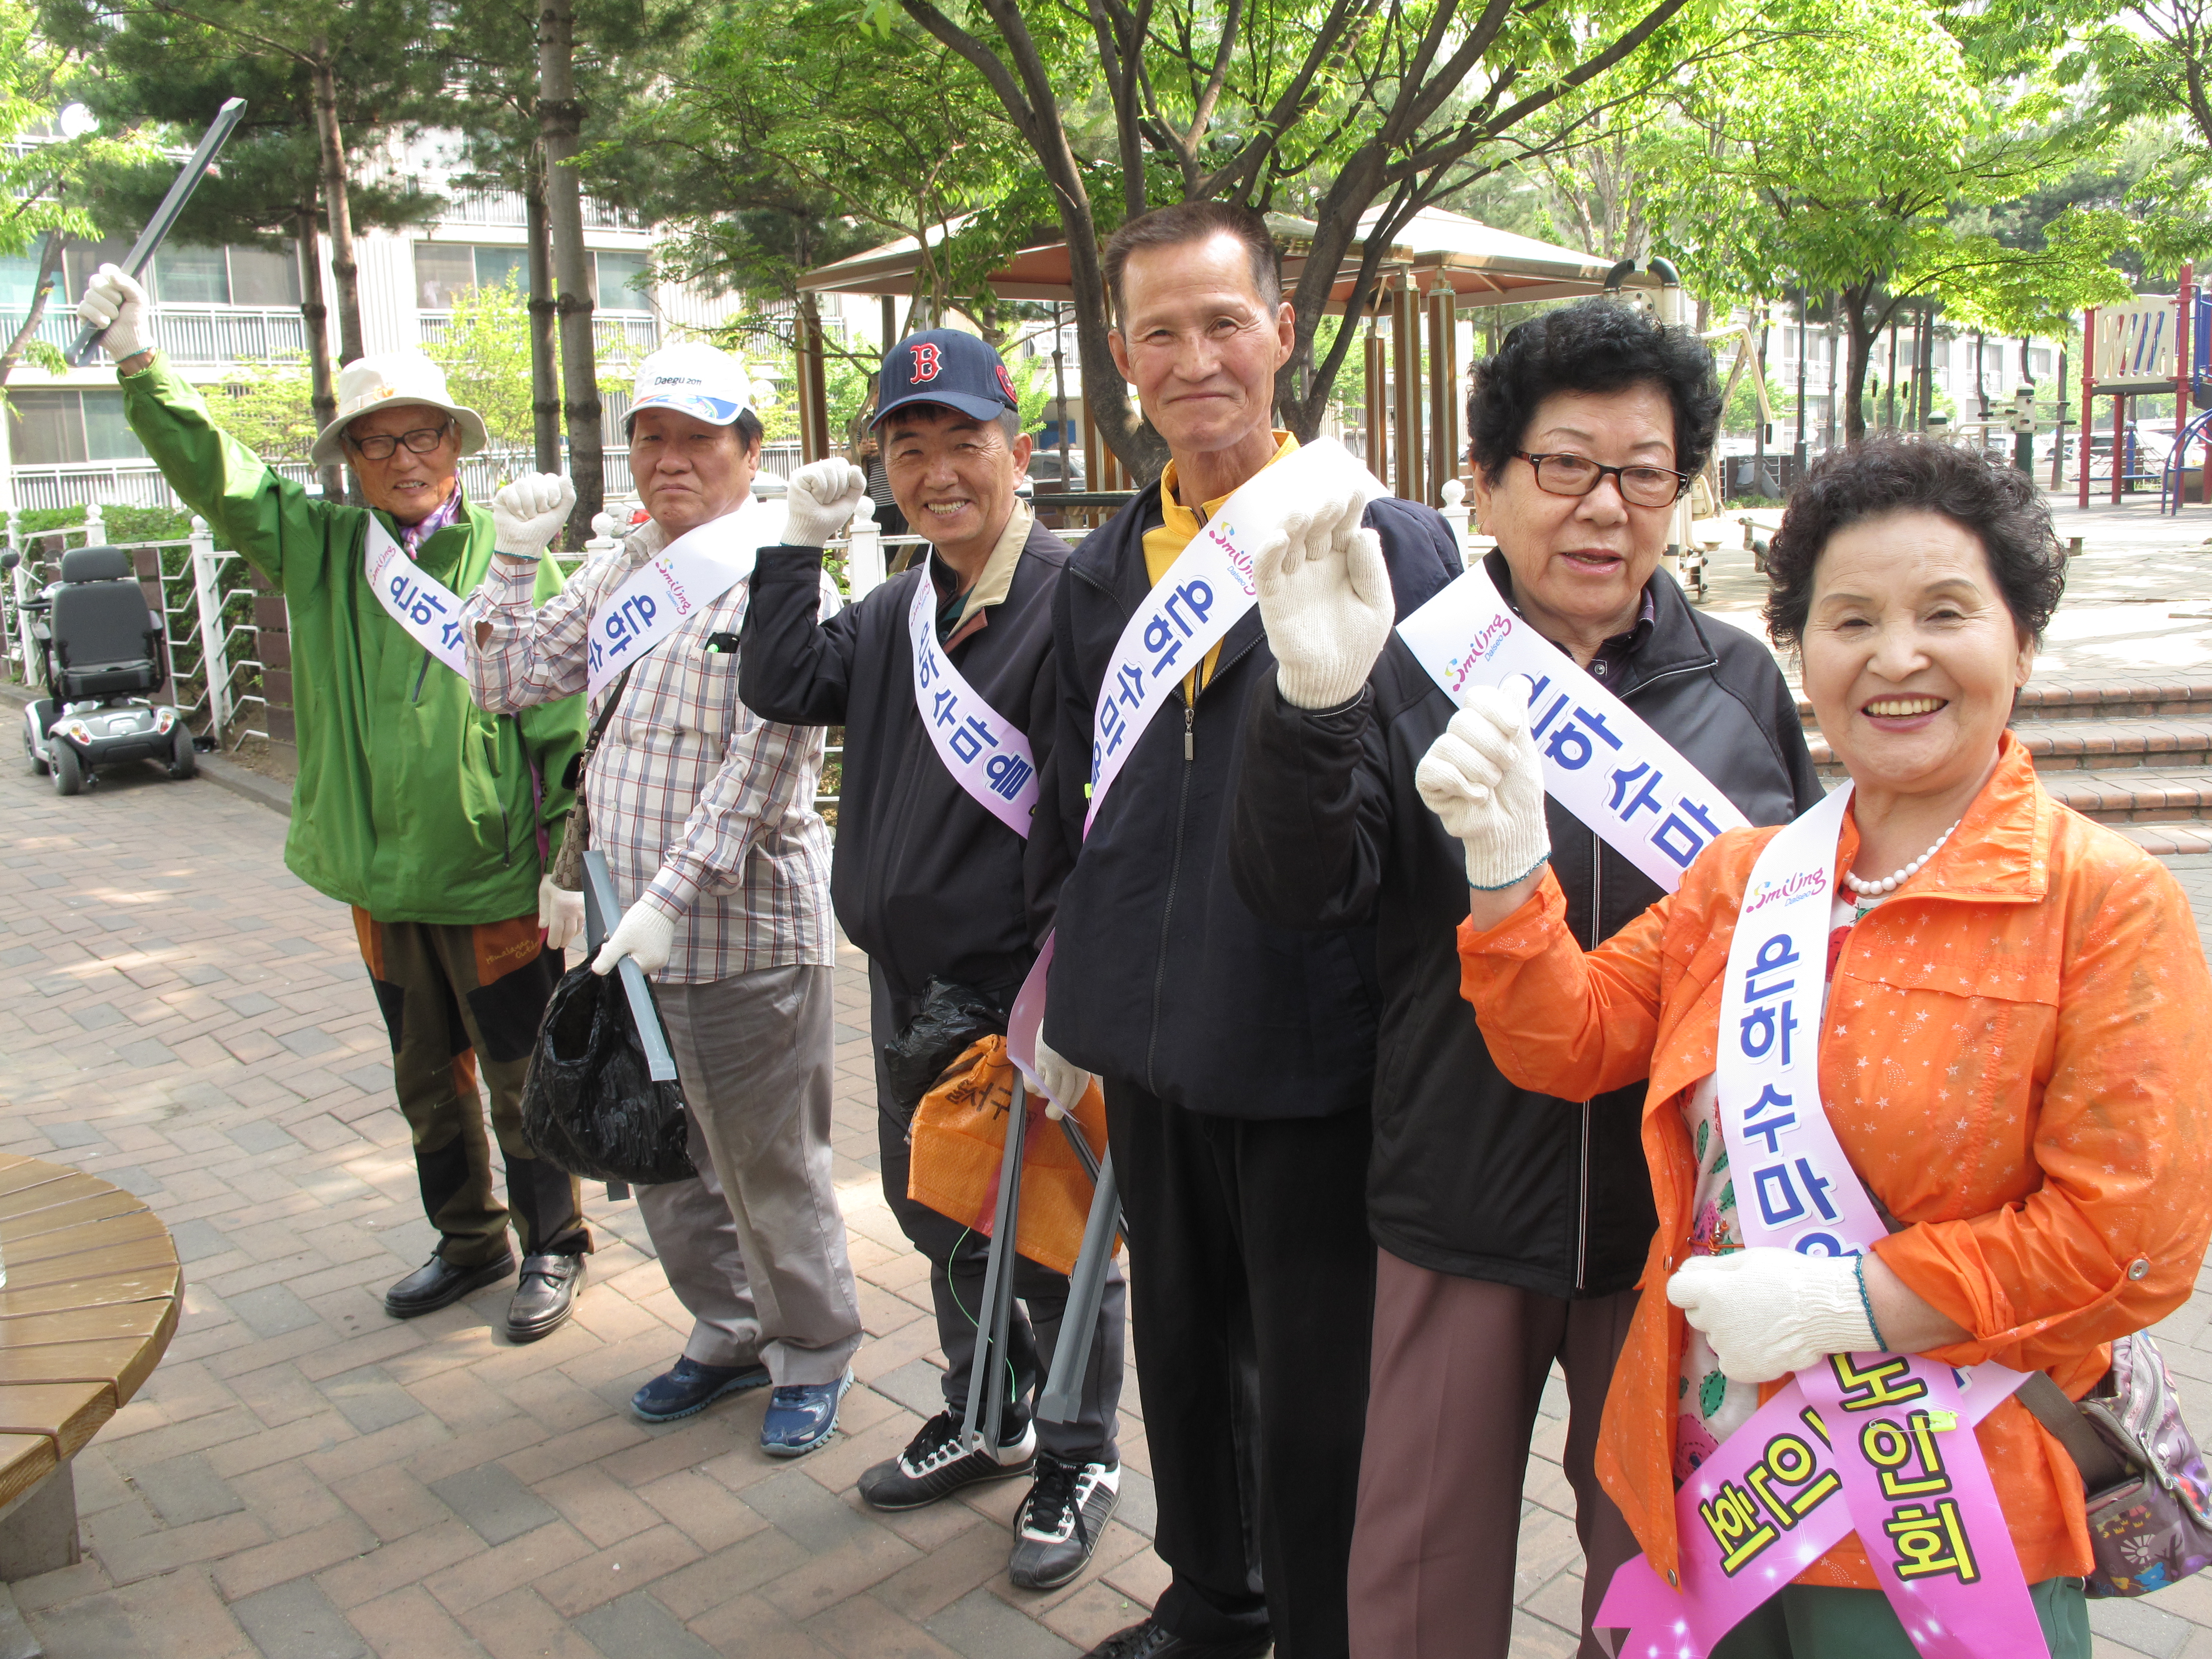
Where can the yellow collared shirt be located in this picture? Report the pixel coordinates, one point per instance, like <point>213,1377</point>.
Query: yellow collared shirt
<point>1179,525</point>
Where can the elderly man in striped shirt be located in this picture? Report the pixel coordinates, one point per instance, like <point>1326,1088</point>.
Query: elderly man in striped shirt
<point>706,815</point>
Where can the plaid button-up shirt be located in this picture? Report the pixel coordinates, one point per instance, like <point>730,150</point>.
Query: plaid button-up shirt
<point>699,806</point>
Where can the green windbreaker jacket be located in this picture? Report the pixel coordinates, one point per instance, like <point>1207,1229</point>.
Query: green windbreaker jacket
<point>411,802</point>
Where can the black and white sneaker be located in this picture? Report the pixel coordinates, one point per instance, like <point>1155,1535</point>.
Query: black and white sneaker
<point>936,1464</point>
<point>1060,1520</point>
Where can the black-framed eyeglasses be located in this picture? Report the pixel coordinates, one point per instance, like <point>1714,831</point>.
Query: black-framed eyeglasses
<point>1577,475</point>
<point>380,445</point>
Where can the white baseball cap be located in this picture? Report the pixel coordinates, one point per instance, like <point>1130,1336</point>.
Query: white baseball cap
<point>693,378</point>
<point>393,378</point>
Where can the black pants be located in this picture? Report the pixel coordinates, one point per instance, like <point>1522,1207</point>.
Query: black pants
<point>958,1258</point>
<point>1252,1288</point>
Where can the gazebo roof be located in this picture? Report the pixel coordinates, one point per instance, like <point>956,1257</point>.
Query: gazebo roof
<point>1483,266</point>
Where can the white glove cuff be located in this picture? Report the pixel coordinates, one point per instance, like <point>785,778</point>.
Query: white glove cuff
<point>1317,687</point>
<point>1516,852</point>
<point>807,524</point>
<point>1833,1313</point>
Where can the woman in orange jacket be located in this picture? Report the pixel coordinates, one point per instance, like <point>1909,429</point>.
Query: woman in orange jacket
<point>2015,1054</point>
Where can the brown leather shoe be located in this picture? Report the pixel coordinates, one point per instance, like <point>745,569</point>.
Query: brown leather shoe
<point>545,1297</point>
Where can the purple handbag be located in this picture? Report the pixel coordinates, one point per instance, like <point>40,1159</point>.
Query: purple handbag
<point>2155,1525</point>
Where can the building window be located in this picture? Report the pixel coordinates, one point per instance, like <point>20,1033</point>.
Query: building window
<point>184,273</point>
<point>624,283</point>
<point>444,270</point>
<point>51,428</point>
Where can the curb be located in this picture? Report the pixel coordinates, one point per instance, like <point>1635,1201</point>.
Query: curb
<point>223,773</point>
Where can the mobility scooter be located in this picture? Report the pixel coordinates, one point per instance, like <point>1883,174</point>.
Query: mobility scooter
<point>102,652</point>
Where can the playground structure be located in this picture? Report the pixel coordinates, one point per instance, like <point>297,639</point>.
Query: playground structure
<point>2150,347</point>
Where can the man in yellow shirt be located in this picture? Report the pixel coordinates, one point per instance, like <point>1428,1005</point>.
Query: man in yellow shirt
<point>1237,1059</point>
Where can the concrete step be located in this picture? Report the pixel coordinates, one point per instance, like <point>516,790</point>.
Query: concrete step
<point>2087,745</point>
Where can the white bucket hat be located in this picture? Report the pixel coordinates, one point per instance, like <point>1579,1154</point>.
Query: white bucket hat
<point>393,378</point>
<point>693,378</point>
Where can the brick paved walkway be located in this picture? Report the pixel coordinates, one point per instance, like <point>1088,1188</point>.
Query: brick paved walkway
<point>305,1478</point>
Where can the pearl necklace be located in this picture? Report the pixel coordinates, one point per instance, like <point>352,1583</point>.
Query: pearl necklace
<point>1890,884</point>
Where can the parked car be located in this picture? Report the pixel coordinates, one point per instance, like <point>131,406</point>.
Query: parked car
<point>1044,470</point>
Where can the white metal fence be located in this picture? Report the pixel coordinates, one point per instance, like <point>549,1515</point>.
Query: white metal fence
<point>192,335</point>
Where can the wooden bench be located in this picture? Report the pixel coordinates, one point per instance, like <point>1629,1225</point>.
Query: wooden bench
<point>91,1301</point>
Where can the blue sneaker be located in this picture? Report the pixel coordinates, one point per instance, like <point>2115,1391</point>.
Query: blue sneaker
<point>802,1416</point>
<point>688,1388</point>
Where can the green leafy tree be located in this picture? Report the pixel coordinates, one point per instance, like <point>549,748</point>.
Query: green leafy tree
<point>1789,175</point>
<point>485,352</point>
<point>1322,111</point>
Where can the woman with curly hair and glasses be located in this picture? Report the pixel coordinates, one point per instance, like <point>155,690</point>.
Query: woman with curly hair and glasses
<point>1510,1225</point>
<point>2008,1052</point>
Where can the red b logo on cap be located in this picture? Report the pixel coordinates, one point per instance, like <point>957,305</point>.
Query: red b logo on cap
<point>1006,386</point>
<point>927,362</point>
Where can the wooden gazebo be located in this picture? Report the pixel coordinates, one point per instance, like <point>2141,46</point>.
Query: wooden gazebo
<point>1442,264</point>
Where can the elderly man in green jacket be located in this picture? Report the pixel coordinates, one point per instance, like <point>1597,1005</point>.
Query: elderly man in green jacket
<point>434,822</point>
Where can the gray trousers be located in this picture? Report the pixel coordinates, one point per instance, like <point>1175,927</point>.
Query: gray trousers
<point>755,1247</point>
<point>958,1258</point>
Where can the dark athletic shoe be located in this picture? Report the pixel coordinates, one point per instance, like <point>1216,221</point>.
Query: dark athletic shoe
<point>1149,1641</point>
<point>545,1297</point>
<point>439,1284</point>
<point>935,1465</point>
<point>688,1388</point>
<point>801,1416</point>
<point>1060,1521</point>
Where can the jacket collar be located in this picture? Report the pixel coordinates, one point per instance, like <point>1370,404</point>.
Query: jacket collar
<point>1677,640</point>
<point>2001,851</point>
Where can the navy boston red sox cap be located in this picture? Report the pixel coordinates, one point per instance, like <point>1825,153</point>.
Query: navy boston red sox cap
<point>944,366</point>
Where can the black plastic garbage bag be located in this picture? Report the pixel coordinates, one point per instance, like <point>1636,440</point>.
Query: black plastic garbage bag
<point>590,1105</point>
<point>952,1017</point>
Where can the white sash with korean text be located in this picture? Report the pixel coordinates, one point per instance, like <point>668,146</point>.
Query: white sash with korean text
<point>690,573</point>
<point>1603,762</point>
<point>429,610</point>
<point>987,755</point>
<point>1204,594</point>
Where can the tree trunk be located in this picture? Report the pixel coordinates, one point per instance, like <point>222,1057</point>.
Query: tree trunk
<point>1858,337</point>
<point>50,265</point>
<point>560,120</point>
<point>317,317</point>
<point>344,266</point>
<point>545,371</point>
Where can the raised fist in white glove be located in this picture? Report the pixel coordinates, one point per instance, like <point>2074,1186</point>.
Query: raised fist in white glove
<point>116,304</point>
<point>1768,1312</point>
<point>822,497</point>
<point>644,935</point>
<point>1325,601</point>
<point>1481,776</point>
<point>560,913</point>
<point>528,514</point>
<point>1064,1085</point>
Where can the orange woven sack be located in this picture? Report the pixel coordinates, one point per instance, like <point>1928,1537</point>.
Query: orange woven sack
<point>960,1143</point>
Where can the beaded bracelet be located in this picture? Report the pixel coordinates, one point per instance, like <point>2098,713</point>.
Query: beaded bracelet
<point>1858,1272</point>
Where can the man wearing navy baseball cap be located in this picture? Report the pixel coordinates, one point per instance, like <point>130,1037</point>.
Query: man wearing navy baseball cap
<point>936,875</point>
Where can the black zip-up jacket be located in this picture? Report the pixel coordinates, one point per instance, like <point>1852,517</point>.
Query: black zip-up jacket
<point>1160,975</point>
<point>1470,1175</point>
<point>925,880</point>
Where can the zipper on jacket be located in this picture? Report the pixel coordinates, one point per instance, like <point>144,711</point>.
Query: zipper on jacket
<point>1175,875</point>
<point>421,675</point>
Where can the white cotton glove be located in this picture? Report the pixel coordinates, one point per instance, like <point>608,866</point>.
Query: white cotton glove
<point>560,913</point>
<point>1768,1312</point>
<point>821,496</point>
<point>643,934</point>
<point>1063,1083</point>
<point>528,514</point>
<point>1325,601</point>
<point>1481,776</point>
<point>116,304</point>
